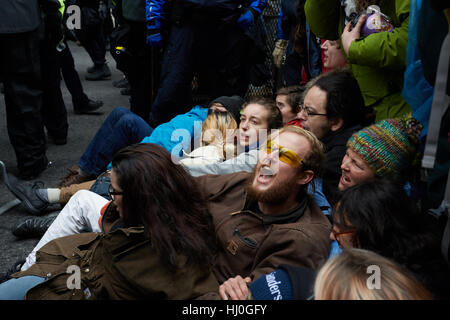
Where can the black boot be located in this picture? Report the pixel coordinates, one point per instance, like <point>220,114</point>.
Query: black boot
<point>33,227</point>
<point>88,107</point>
<point>13,269</point>
<point>122,83</point>
<point>125,91</point>
<point>90,69</point>
<point>101,72</point>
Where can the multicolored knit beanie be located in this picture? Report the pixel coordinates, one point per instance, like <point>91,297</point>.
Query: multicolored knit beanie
<point>390,146</point>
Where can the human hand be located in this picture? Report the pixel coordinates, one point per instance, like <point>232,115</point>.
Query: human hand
<point>348,36</point>
<point>279,52</point>
<point>234,288</point>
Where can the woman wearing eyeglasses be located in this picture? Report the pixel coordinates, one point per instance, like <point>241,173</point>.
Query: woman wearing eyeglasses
<point>138,243</point>
<point>378,215</point>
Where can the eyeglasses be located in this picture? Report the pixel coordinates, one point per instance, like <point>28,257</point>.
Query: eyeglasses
<point>309,112</point>
<point>284,154</point>
<point>338,234</point>
<point>112,192</point>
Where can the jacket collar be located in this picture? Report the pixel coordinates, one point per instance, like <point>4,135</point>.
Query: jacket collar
<point>290,216</point>
<point>112,222</point>
<point>339,137</point>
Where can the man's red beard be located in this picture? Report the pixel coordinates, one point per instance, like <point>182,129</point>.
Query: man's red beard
<point>275,194</point>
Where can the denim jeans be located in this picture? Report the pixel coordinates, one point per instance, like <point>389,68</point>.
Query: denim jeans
<point>15,289</point>
<point>120,129</point>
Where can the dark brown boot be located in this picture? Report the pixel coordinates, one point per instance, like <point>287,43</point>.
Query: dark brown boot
<point>73,177</point>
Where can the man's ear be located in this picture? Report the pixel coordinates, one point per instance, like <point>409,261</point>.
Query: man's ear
<point>305,177</point>
<point>336,124</point>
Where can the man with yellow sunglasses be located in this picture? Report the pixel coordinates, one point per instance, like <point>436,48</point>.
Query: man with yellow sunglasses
<point>266,218</point>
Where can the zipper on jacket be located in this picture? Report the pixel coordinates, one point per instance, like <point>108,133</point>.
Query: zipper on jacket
<point>252,243</point>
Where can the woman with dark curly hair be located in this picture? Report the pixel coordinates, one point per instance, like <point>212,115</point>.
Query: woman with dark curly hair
<point>154,240</point>
<point>378,215</point>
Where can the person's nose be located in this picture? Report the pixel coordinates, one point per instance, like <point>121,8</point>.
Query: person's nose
<point>302,115</point>
<point>345,162</point>
<point>244,125</point>
<point>324,45</point>
<point>268,158</point>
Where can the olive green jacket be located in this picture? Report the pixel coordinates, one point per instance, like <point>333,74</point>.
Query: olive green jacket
<point>118,263</point>
<point>378,60</point>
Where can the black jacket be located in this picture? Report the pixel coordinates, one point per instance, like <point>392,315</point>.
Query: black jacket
<point>134,10</point>
<point>18,16</point>
<point>335,144</point>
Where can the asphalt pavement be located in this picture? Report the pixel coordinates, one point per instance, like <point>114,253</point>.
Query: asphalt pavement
<point>82,129</point>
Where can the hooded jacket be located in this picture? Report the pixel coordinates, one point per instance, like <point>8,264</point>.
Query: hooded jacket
<point>118,263</point>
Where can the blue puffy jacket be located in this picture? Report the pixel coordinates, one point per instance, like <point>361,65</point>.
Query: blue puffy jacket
<point>177,134</point>
<point>189,126</point>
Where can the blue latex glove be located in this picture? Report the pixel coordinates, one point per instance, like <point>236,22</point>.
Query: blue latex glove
<point>154,40</point>
<point>246,20</point>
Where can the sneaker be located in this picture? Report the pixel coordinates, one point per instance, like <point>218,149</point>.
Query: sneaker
<point>99,73</point>
<point>88,108</point>
<point>33,227</point>
<point>28,194</point>
<point>73,177</point>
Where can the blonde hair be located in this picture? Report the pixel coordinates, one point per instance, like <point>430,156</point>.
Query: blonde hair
<point>346,277</point>
<point>215,129</point>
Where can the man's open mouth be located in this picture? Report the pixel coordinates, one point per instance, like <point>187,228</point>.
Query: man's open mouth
<point>266,174</point>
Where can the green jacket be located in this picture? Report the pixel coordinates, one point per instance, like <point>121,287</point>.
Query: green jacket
<point>378,60</point>
<point>118,263</point>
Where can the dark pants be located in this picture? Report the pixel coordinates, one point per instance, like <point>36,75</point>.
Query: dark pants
<point>142,72</point>
<point>92,39</point>
<point>120,129</point>
<point>217,54</point>
<point>71,78</point>
<point>292,68</point>
<point>20,66</point>
<point>53,108</point>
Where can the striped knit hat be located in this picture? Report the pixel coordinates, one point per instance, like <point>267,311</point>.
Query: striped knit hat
<point>390,147</point>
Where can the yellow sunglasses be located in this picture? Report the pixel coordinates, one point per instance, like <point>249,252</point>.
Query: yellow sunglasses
<point>284,154</point>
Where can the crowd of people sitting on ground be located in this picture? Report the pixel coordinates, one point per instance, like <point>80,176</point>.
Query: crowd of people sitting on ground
<point>314,193</point>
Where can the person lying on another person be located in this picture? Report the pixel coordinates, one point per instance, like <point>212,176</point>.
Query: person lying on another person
<point>273,219</point>
<point>141,245</point>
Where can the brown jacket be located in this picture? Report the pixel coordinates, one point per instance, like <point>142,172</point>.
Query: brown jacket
<point>119,263</point>
<point>252,248</point>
